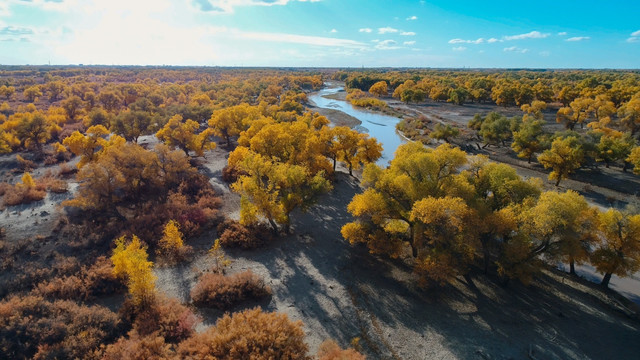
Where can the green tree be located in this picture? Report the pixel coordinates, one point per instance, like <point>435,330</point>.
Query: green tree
<point>528,140</point>
<point>444,132</point>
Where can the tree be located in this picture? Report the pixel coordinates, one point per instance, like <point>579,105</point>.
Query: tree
<point>444,237</point>
<point>87,145</point>
<point>383,211</point>
<point>564,157</point>
<point>171,242</point>
<point>110,100</point>
<point>634,159</point>
<point>7,91</point>
<point>353,148</point>
<point>619,250</point>
<point>563,226</point>
<point>535,108</point>
<point>577,112</point>
<point>458,96</point>
<point>495,129</point>
<point>273,190</point>
<point>182,134</point>
<point>379,89</point>
<point>567,94</point>
<point>32,93</point>
<point>72,105</point>
<point>602,107</point>
<point>130,264</point>
<point>614,147</point>
<point>229,122</point>
<point>54,89</point>
<point>498,193</point>
<point>33,131</point>
<point>444,132</point>
<point>629,115</point>
<point>131,124</point>
<point>528,140</point>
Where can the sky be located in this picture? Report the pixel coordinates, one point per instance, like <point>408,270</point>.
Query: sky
<point>323,33</point>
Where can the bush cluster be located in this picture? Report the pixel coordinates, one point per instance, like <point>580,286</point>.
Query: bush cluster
<point>233,234</point>
<point>223,292</point>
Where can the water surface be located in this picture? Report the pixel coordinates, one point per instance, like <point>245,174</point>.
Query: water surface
<point>379,126</point>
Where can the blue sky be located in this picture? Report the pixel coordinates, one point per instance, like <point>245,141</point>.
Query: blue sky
<point>330,33</point>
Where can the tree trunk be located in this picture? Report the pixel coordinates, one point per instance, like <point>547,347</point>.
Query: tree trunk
<point>572,267</point>
<point>334,164</point>
<point>274,226</point>
<point>558,181</point>
<point>350,169</point>
<point>606,279</point>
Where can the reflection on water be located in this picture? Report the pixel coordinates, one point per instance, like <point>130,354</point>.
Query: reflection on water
<point>382,127</point>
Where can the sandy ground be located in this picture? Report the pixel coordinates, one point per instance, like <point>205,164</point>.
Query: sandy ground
<point>342,292</point>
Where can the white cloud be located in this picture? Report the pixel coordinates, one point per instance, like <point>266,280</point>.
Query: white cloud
<point>544,53</point>
<point>578,38</point>
<point>407,33</point>
<point>333,31</point>
<point>493,40</point>
<point>412,18</point>
<point>529,35</point>
<point>387,45</point>
<point>633,39</point>
<point>461,41</point>
<point>562,33</point>
<point>409,43</point>
<point>227,6</point>
<point>459,48</point>
<point>296,39</point>
<point>387,30</point>
<point>365,30</point>
<point>636,33</point>
<point>516,49</point>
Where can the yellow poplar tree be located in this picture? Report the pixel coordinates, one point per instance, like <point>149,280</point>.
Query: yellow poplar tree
<point>131,264</point>
<point>172,241</point>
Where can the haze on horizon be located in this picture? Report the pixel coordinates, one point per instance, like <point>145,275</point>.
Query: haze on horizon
<point>321,33</point>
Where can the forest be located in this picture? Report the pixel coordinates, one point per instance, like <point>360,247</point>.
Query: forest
<point>215,213</point>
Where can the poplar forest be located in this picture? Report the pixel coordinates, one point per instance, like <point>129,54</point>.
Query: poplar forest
<point>220,213</point>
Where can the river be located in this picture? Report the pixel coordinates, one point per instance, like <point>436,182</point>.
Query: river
<point>379,126</point>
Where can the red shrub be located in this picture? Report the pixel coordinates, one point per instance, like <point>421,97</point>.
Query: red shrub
<point>234,234</point>
<point>250,334</point>
<point>165,317</point>
<point>32,327</point>
<point>138,347</point>
<point>219,291</point>
<point>330,350</point>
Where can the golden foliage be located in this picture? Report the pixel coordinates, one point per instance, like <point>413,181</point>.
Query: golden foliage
<point>130,263</point>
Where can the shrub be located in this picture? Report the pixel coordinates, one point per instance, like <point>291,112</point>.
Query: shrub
<point>24,192</point>
<point>250,334</point>
<point>25,164</point>
<point>163,316</point>
<point>138,347</point>
<point>89,283</point>
<point>53,184</point>
<point>330,350</point>
<point>223,292</point>
<point>67,170</point>
<point>32,327</point>
<point>233,234</point>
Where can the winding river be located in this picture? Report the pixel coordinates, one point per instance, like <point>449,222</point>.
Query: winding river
<point>379,126</point>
